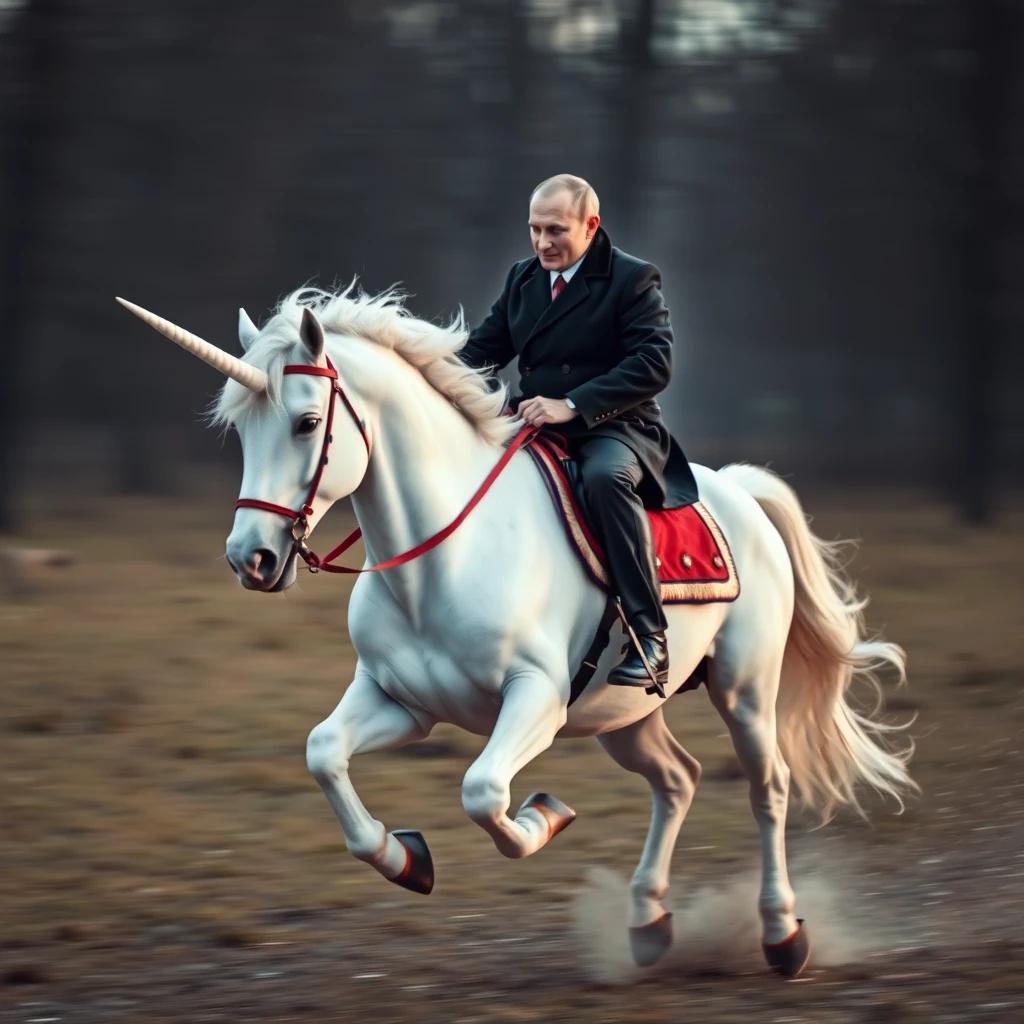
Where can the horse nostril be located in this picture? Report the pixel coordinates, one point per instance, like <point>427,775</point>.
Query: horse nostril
<point>267,563</point>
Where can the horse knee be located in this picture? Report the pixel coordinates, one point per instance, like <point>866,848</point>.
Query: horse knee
<point>484,797</point>
<point>322,758</point>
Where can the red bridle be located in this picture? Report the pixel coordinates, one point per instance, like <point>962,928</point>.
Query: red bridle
<point>300,526</point>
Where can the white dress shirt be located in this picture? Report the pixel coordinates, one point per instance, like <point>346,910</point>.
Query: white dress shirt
<point>567,274</point>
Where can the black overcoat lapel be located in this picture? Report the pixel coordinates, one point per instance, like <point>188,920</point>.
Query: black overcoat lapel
<point>572,295</point>
<point>536,297</point>
<point>545,312</point>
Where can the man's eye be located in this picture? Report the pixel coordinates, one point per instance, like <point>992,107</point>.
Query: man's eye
<point>307,425</point>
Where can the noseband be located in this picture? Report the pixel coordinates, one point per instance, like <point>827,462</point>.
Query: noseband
<point>300,524</point>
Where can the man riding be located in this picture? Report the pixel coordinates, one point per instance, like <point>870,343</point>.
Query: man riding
<point>591,330</point>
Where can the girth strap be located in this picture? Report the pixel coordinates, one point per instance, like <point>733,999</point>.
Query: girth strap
<point>612,611</point>
<point>589,665</point>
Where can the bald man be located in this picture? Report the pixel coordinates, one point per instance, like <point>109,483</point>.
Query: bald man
<point>591,330</point>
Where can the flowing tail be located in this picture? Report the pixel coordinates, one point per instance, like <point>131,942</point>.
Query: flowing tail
<point>829,745</point>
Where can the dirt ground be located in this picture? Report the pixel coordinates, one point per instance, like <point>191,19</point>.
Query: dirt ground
<point>164,854</point>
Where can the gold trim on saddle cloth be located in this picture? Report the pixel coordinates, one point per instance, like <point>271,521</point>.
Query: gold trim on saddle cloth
<point>706,591</point>
<point>590,554</point>
<point>558,487</point>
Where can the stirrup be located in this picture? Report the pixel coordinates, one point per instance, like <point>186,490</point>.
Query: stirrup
<point>655,686</point>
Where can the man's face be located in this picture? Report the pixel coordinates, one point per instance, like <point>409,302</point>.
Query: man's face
<point>559,237</point>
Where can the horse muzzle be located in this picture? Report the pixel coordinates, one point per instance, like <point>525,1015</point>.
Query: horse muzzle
<point>261,568</point>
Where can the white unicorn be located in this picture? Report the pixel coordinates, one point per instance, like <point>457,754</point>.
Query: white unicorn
<point>487,629</point>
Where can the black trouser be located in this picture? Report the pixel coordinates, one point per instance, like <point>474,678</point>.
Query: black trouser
<point>611,474</point>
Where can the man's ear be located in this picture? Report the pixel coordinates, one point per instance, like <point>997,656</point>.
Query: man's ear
<point>593,223</point>
<point>312,334</point>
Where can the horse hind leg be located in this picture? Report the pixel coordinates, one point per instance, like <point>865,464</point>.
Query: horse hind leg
<point>365,720</point>
<point>746,702</point>
<point>648,748</point>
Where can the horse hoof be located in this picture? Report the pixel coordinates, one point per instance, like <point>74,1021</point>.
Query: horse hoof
<point>789,957</point>
<point>418,873</point>
<point>553,811</point>
<point>650,943</point>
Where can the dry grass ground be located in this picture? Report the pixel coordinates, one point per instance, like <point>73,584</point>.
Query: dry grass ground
<point>165,855</point>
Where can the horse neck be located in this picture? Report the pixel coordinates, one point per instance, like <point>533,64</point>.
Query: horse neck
<point>427,461</point>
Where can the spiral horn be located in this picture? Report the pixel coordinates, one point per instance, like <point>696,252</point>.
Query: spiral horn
<point>251,377</point>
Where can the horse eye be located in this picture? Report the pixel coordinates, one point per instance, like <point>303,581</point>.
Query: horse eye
<point>307,425</point>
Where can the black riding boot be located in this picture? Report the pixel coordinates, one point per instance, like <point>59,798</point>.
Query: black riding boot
<point>631,671</point>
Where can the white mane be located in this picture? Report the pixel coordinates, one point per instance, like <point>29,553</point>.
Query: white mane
<point>383,320</point>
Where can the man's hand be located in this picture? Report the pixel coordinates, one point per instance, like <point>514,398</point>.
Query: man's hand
<point>538,411</point>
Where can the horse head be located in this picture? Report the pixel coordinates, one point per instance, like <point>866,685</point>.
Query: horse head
<point>298,456</point>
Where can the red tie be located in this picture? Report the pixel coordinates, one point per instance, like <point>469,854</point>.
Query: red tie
<point>557,287</point>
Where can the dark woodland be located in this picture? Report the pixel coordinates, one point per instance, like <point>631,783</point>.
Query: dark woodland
<point>832,188</point>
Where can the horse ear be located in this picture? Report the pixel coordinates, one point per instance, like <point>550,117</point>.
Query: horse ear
<point>312,334</point>
<point>248,332</point>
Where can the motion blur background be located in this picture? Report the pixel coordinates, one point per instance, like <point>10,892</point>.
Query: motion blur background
<point>832,188</point>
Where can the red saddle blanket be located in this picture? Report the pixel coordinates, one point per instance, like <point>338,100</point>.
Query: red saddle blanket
<point>695,565</point>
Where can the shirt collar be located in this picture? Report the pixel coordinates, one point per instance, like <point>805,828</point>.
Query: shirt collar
<point>567,274</point>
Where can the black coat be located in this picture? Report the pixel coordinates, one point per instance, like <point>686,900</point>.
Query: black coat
<point>605,343</point>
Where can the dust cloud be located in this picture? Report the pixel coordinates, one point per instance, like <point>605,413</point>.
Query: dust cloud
<point>717,928</point>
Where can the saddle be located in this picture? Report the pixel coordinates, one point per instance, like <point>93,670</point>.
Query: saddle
<point>695,565</point>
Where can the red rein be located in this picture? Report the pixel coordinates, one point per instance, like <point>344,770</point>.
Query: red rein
<point>300,527</point>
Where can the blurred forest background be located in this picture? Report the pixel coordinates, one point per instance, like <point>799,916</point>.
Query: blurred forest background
<point>832,188</point>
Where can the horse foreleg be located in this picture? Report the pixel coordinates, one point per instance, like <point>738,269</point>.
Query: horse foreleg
<point>649,749</point>
<point>531,714</point>
<point>365,720</point>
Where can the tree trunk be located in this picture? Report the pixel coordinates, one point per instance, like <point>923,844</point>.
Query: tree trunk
<point>985,221</point>
<point>629,124</point>
<point>36,42</point>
